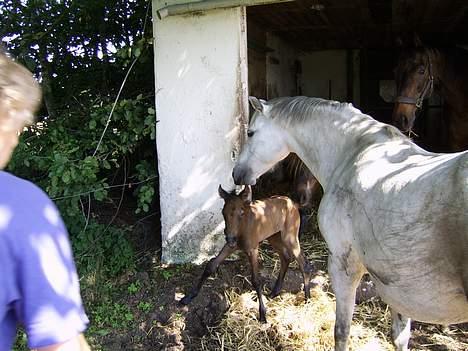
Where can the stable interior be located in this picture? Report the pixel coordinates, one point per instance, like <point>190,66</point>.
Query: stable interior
<point>347,50</point>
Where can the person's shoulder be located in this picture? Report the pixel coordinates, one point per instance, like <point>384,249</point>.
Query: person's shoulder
<point>17,189</point>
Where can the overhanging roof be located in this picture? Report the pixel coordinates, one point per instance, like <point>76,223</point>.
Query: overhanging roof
<point>330,24</point>
<point>166,8</point>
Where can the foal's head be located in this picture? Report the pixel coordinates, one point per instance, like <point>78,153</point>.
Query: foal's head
<point>233,212</point>
<point>414,77</point>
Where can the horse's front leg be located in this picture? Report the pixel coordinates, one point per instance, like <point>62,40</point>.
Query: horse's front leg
<point>345,273</point>
<point>256,282</point>
<point>210,268</point>
<point>401,331</point>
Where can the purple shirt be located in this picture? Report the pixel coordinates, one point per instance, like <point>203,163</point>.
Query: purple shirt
<point>39,286</point>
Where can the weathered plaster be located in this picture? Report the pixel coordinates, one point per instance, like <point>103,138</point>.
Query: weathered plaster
<point>201,80</point>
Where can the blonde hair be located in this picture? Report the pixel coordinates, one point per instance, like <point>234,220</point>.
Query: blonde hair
<point>20,95</point>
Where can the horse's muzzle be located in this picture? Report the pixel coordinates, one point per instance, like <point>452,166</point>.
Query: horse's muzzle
<point>404,123</point>
<point>242,176</point>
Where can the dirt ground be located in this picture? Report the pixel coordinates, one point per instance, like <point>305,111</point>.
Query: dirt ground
<point>154,320</point>
<point>166,325</point>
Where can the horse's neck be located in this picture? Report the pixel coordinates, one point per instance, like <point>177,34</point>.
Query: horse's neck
<point>325,143</point>
<point>450,73</point>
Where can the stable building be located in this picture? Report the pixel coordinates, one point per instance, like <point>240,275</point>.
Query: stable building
<point>211,55</point>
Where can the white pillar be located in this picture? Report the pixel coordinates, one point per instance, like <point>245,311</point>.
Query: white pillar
<point>201,104</point>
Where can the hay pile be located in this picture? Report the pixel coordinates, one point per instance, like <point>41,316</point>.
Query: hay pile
<point>292,325</point>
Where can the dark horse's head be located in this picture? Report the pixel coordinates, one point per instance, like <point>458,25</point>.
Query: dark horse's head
<point>414,76</point>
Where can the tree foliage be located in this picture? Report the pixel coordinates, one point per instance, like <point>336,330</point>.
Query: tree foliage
<point>76,47</point>
<point>81,52</point>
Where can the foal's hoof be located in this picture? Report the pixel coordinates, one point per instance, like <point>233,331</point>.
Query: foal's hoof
<point>274,293</point>
<point>185,300</point>
<point>263,319</point>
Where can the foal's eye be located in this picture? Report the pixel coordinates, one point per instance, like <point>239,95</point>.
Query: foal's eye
<point>421,70</point>
<point>250,133</point>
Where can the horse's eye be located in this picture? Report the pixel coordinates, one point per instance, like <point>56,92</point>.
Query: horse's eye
<point>421,70</point>
<point>250,133</point>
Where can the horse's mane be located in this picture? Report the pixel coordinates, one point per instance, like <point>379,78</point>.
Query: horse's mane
<point>297,109</point>
<point>291,111</point>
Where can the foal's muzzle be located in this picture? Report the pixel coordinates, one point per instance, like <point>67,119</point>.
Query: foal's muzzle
<point>231,240</point>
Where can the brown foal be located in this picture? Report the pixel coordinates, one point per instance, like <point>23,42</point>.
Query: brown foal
<point>248,223</point>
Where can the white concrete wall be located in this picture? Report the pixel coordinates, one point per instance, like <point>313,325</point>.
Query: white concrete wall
<point>324,71</point>
<point>201,99</point>
<point>280,71</point>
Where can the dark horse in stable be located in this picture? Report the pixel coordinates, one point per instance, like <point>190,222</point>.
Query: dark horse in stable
<point>291,177</point>
<point>419,72</point>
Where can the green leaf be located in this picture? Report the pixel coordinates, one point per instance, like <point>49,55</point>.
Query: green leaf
<point>137,52</point>
<point>66,177</point>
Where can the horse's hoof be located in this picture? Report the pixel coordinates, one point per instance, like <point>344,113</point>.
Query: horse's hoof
<point>263,320</point>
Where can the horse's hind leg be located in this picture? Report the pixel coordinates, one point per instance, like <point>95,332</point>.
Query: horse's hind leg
<point>210,268</point>
<point>285,258</point>
<point>401,331</point>
<point>345,273</point>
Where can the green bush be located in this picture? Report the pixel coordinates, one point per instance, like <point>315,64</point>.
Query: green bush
<point>64,157</point>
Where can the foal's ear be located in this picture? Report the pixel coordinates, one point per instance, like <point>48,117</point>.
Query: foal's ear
<point>223,193</point>
<point>246,194</point>
<point>257,104</point>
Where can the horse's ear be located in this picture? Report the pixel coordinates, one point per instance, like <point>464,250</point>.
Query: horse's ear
<point>246,194</point>
<point>399,42</point>
<point>257,104</point>
<point>223,193</point>
<point>417,42</point>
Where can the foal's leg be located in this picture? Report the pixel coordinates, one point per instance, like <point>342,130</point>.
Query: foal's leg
<point>210,268</point>
<point>291,242</point>
<point>401,331</point>
<point>256,282</point>
<point>285,258</point>
<point>345,274</point>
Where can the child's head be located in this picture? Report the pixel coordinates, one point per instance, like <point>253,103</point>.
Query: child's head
<point>20,96</point>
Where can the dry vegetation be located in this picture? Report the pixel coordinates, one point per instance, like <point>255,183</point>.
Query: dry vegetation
<point>294,324</point>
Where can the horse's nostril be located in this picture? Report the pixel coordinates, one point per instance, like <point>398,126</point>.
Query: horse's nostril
<point>404,122</point>
<point>237,175</point>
